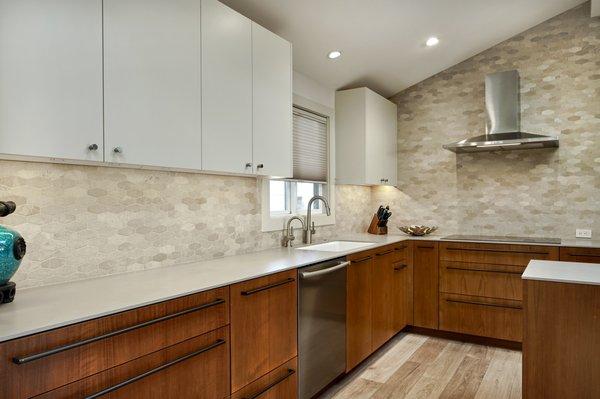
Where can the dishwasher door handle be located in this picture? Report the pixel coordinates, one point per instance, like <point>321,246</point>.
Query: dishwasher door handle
<point>323,271</point>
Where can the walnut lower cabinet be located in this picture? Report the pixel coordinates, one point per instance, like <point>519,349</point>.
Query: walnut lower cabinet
<point>481,292</point>
<point>264,315</point>
<point>379,299</point>
<point>425,284</point>
<point>173,349</point>
<point>382,314</point>
<point>402,263</point>
<point>580,254</point>
<point>561,344</point>
<point>359,284</point>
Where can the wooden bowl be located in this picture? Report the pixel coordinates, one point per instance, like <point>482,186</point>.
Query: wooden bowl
<point>417,230</point>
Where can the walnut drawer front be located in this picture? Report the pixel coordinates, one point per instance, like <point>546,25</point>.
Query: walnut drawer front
<point>482,279</point>
<point>402,252</point>
<point>576,254</point>
<point>486,317</point>
<point>280,383</point>
<point>497,254</point>
<point>264,332</point>
<point>197,368</point>
<point>39,363</point>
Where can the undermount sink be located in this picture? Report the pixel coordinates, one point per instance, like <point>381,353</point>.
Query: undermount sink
<point>336,246</point>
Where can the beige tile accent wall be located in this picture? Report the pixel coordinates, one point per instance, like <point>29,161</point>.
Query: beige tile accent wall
<point>538,192</point>
<point>82,222</point>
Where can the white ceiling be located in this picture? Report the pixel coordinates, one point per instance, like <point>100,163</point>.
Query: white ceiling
<point>383,41</point>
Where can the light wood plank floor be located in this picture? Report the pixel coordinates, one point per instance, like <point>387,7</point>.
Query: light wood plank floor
<point>416,366</point>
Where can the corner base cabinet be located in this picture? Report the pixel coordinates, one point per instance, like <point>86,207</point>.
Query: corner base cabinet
<point>379,299</point>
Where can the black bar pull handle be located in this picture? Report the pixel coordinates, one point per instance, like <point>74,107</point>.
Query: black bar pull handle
<point>73,345</point>
<point>271,385</point>
<point>469,269</point>
<point>268,287</point>
<point>493,305</point>
<point>362,259</point>
<point>399,267</point>
<point>120,385</point>
<point>384,252</point>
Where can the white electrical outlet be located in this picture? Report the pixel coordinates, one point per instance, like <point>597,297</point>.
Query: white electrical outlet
<point>583,233</point>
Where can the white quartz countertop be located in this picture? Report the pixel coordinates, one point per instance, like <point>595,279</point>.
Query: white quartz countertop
<point>563,272</point>
<point>44,308</point>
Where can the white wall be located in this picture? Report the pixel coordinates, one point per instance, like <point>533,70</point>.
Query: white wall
<point>313,90</point>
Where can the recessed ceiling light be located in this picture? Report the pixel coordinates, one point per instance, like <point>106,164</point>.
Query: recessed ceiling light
<point>334,54</point>
<point>432,41</point>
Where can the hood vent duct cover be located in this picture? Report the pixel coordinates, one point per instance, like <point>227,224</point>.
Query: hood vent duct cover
<point>503,120</point>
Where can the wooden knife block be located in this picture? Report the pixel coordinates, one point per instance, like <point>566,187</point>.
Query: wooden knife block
<point>374,229</point>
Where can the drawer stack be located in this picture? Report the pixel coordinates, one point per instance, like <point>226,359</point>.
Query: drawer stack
<point>161,350</point>
<point>264,337</point>
<point>480,285</point>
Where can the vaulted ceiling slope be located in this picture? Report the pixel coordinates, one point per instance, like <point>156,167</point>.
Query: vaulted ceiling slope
<point>383,41</point>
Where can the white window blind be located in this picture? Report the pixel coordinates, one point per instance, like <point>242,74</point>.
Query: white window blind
<point>310,146</point>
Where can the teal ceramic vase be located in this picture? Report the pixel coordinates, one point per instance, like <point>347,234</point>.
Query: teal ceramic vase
<point>12,250</point>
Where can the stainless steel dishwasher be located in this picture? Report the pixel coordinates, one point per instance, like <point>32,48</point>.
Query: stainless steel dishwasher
<point>321,325</point>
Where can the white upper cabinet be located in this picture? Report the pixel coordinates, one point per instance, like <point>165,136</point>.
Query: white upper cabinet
<point>272,103</point>
<point>226,89</point>
<point>51,78</point>
<point>366,130</point>
<point>185,84</point>
<point>152,82</point>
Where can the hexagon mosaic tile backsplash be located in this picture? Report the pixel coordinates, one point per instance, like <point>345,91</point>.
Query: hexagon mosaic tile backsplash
<point>526,193</point>
<point>82,221</point>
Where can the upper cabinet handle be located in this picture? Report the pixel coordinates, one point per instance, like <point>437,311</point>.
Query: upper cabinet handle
<point>93,147</point>
<point>260,166</point>
<point>77,344</point>
<point>248,165</point>
<point>269,286</point>
<point>118,150</point>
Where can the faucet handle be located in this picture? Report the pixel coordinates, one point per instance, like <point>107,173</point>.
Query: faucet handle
<point>313,230</point>
<point>291,237</point>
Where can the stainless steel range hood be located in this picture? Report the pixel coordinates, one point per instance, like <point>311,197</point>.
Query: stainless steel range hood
<point>503,125</point>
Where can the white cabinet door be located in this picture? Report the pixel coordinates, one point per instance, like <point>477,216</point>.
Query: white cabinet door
<point>374,141</point>
<point>226,89</point>
<point>381,122</point>
<point>152,82</point>
<point>390,134</point>
<point>272,103</point>
<point>51,78</point>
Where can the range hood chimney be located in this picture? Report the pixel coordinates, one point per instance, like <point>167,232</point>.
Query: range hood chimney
<point>503,120</point>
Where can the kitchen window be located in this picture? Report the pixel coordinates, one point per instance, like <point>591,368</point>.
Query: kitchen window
<point>311,172</point>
